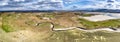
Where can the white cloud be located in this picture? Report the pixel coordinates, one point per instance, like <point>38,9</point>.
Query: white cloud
<point>18,0</point>
<point>58,4</point>
<point>56,0</point>
<point>3,2</point>
<point>99,4</point>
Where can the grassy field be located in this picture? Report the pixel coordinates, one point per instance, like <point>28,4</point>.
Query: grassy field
<point>99,24</point>
<point>0,20</point>
<point>19,21</point>
<point>58,26</point>
<point>7,28</point>
<point>22,27</point>
<point>79,36</point>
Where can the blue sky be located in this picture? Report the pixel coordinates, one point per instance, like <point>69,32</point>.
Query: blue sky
<point>58,4</point>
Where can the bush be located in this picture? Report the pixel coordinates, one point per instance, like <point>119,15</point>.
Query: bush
<point>7,28</point>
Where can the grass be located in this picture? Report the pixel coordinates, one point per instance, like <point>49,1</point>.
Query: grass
<point>0,21</point>
<point>8,22</point>
<point>49,15</point>
<point>7,28</point>
<point>79,36</point>
<point>44,24</point>
<point>10,25</point>
<point>31,23</point>
<point>58,26</point>
<point>99,24</point>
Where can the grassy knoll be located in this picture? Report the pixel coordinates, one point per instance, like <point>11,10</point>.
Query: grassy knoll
<point>99,24</point>
<point>20,21</point>
<point>19,27</point>
<point>13,22</point>
<point>7,28</point>
<point>8,22</point>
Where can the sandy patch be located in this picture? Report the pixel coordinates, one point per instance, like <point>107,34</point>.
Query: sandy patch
<point>25,36</point>
<point>99,18</point>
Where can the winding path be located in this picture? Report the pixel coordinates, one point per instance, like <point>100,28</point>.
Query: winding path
<point>93,30</point>
<point>83,29</point>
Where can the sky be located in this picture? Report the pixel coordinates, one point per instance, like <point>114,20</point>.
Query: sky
<point>58,4</point>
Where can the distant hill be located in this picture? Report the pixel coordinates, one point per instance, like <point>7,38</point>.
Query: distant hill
<point>85,10</point>
<point>103,10</point>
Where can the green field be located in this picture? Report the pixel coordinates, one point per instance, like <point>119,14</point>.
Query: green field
<point>99,24</point>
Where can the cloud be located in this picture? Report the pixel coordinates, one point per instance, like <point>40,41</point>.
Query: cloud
<point>58,4</point>
<point>19,0</point>
<point>3,2</point>
<point>96,4</point>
